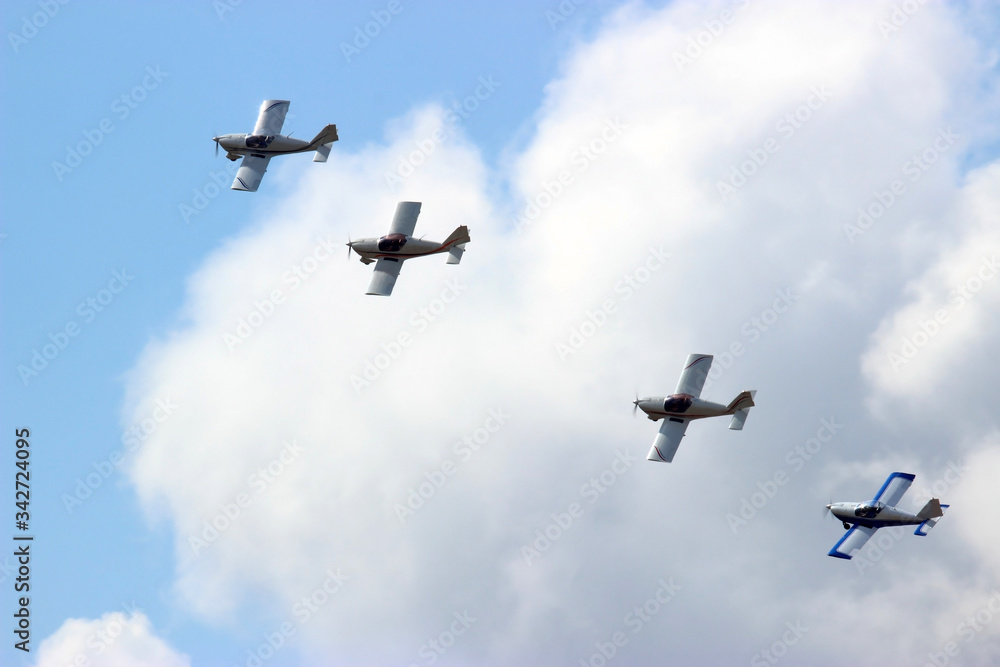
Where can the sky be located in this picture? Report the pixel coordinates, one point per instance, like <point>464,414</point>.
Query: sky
<point>239,458</point>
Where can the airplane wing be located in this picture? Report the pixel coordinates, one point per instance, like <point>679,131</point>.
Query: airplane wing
<point>405,219</point>
<point>851,542</point>
<point>384,277</point>
<point>251,171</point>
<point>893,489</point>
<point>694,374</point>
<point>667,440</point>
<point>272,117</point>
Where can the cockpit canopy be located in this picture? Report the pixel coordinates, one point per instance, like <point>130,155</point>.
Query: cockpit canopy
<point>391,242</point>
<point>259,140</point>
<point>677,402</point>
<point>867,511</point>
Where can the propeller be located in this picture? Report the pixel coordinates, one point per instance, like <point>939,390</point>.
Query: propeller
<point>635,404</point>
<point>349,246</point>
<point>216,140</point>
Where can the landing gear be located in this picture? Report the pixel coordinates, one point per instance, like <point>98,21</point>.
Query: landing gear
<point>847,526</point>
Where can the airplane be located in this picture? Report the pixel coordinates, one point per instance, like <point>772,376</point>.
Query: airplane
<point>879,513</point>
<point>397,246</point>
<point>684,405</point>
<point>258,147</point>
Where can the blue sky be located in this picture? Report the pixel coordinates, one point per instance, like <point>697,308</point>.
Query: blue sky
<point>114,228</point>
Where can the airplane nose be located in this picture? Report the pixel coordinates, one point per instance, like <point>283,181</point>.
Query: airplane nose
<point>829,507</point>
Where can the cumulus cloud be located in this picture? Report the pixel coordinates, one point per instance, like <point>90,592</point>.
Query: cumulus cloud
<point>454,470</point>
<point>113,640</point>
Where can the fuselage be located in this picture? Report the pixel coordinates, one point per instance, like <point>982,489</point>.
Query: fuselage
<point>682,406</point>
<point>274,144</point>
<point>872,515</point>
<point>397,246</point>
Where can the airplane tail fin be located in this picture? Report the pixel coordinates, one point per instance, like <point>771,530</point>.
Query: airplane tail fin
<point>931,514</point>
<point>459,237</point>
<point>740,409</point>
<point>323,142</point>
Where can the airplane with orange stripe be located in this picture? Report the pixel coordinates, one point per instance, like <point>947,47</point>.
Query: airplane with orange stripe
<point>390,251</point>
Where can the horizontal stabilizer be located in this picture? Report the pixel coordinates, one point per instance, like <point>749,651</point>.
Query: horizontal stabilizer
<point>739,419</point>
<point>455,254</point>
<point>926,526</point>
<point>322,153</point>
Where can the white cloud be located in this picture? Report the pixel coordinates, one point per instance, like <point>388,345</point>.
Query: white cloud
<point>113,640</point>
<point>641,147</point>
<point>936,343</point>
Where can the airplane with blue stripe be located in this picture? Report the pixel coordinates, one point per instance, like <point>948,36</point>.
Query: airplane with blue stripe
<point>861,520</point>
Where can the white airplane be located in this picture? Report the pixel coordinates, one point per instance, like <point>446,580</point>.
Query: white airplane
<point>258,147</point>
<point>391,250</point>
<point>879,513</point>
<point>684,405</point>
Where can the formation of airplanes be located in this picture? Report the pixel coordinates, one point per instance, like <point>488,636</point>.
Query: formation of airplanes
<point>676,411</point>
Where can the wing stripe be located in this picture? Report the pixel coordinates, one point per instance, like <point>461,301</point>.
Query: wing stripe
<point>704,356</point>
